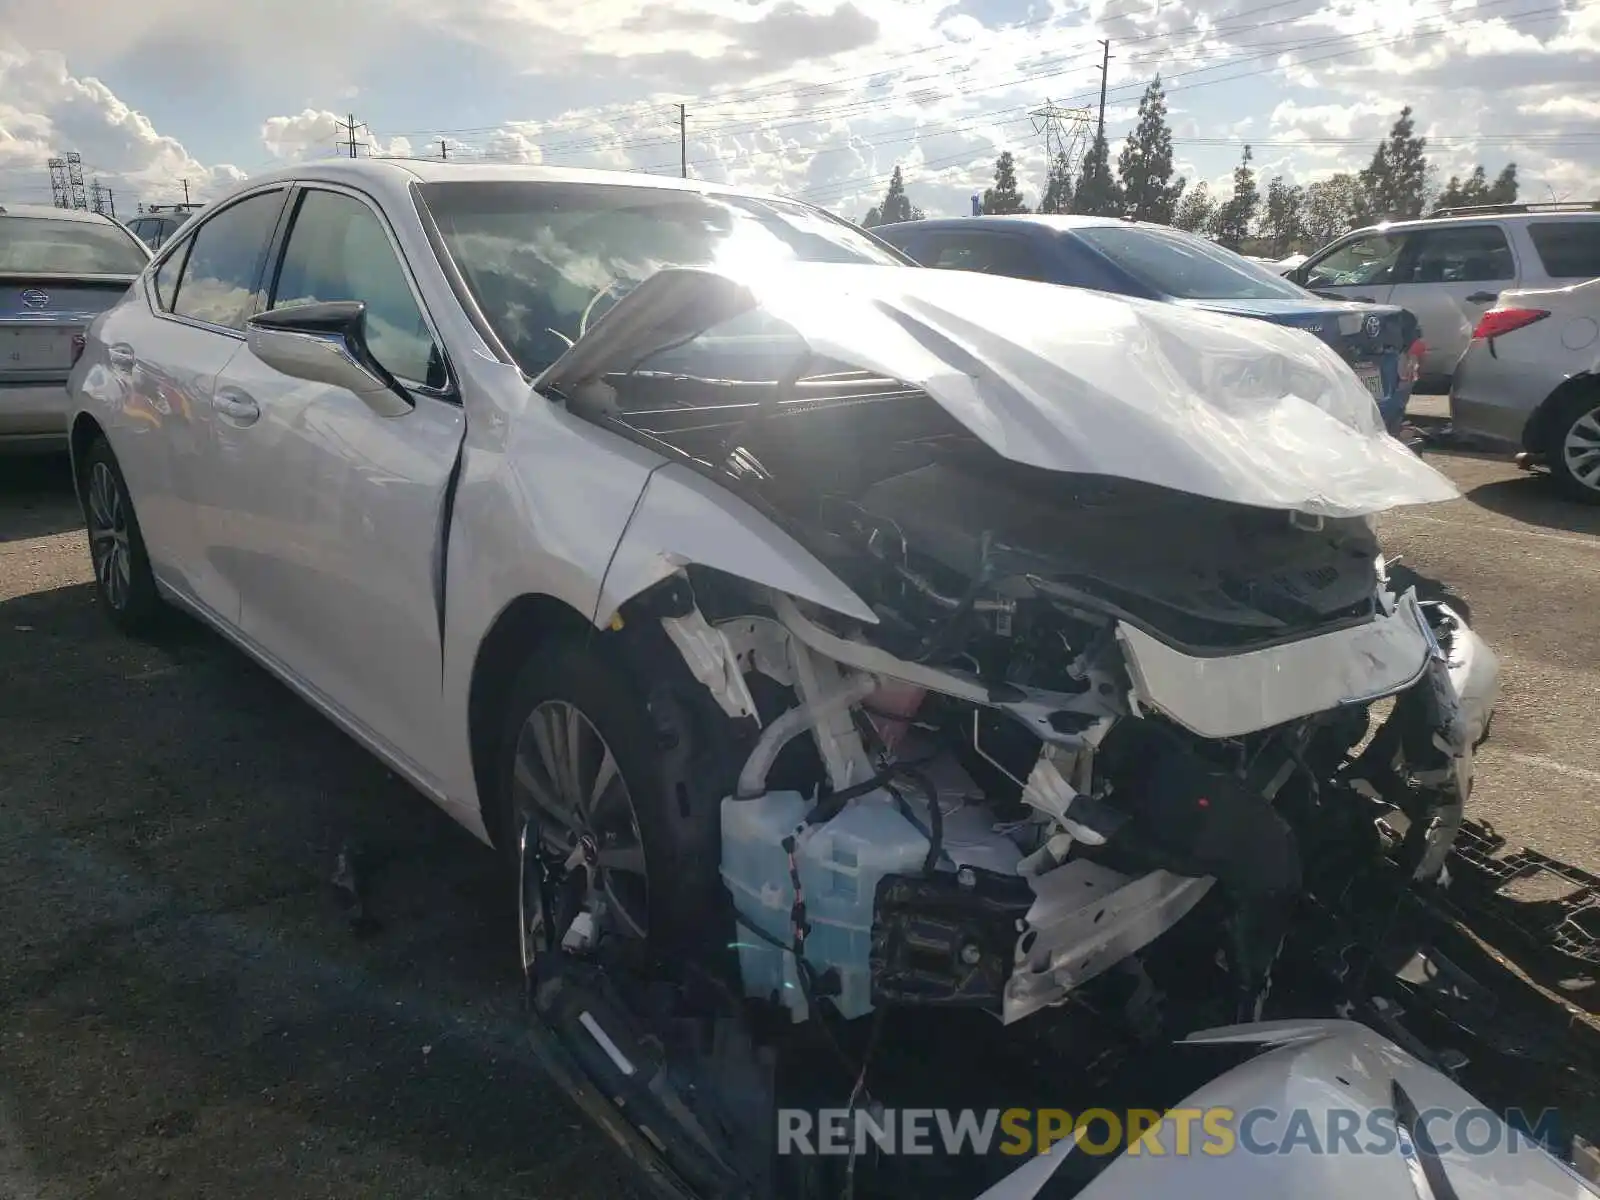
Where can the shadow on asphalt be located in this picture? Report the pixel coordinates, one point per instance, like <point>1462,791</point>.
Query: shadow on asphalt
<point>36,493</point>
<point>183,997</point>
<point>1533,498</point>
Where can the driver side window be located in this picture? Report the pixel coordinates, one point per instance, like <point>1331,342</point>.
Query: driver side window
<point>1366,260</point>
<point>338,249</point>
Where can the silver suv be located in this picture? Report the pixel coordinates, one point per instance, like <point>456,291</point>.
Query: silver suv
<point>1448,269</point>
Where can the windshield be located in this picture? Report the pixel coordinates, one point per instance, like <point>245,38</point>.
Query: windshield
<point>1187,268</point>
<point>545,260</point>
<point>66,247</point>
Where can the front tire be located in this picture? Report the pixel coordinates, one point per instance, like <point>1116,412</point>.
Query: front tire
<point>584,754</point>
<point>123,581</point>
<point>1574,452</point>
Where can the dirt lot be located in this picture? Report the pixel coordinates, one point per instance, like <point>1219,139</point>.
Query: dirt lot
<point>186,1011</point>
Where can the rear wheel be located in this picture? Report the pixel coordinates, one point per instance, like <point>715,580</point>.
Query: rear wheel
<point>1574,452</point>
<point>122,577</point>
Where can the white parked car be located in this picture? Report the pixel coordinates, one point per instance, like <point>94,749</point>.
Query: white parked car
<point>1448,269</point>
<point>744,584</point>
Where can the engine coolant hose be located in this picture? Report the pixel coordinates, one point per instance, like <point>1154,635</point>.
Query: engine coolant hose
<point>790,725</point>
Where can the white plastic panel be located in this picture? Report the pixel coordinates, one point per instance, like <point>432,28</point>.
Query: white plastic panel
<point>1228,696</point>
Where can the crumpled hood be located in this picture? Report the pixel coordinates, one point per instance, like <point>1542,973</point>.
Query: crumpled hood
<point>1061,379</point>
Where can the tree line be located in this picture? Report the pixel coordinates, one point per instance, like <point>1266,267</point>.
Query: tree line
<point>1398,183</point>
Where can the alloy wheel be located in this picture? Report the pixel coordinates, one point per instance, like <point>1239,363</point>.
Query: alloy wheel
<point>1581,449</point>
<point>567,785</point>
<point>108,536</point>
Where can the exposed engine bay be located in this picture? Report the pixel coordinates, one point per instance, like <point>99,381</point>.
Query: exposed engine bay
<point>1104,741</point>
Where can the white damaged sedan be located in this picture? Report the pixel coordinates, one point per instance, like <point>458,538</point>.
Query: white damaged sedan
<point>869,636</point>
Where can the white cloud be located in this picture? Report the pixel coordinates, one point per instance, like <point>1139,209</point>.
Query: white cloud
<point>317,133</point>
<point>46,111</point>
<point>822,98</point>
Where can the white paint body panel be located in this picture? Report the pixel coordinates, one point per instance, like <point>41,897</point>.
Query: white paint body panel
<point>1068,380</point>
<point>1320,1068</point>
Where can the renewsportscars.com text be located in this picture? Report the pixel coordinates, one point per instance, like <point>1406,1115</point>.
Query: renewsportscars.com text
<point>1183,1131</point>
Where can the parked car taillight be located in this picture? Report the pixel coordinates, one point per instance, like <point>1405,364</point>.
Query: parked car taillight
<point>1411,361</point>
<point>78,343</point>
<point>1498,321</point>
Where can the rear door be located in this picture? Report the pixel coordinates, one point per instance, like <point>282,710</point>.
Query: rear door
<point>1448,276</point>
<point>167,353</point>
<point>333,512</point>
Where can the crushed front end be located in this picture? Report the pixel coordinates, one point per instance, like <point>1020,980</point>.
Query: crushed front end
<point>1087,746</point>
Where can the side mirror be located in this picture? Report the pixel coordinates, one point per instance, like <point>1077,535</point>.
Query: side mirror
<point>327,343</point>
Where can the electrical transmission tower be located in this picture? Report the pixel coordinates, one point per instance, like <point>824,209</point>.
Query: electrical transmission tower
<point>75,179</point>
<point>1065,130</point>
<point>60,189</point>
<point>103,200</point>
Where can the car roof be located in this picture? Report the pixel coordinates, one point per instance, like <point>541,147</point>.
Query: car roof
<point>51,213</point>
<point>392,177</point>
<point>1475,218</point>
<point>1057,222</point>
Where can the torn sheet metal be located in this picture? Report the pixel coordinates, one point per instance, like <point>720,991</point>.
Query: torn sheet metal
<point>1057,378</point>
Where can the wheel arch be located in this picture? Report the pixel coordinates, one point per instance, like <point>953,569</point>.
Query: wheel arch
<point>1536,434</point>
<point>85,429</point>
<point>523,625</point>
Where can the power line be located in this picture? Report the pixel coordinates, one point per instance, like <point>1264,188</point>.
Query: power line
<point>924,131</point>
<point>1536,14</point>
<point>1260,51</point>
<point>1062,63</point>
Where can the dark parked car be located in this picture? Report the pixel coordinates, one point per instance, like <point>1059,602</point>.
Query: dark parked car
<point>1156,262</point>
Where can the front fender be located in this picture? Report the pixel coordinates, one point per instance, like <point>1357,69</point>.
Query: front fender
<point>684,518</point>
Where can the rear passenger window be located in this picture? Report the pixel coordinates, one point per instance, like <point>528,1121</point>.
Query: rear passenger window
<point>1568,249</point>
<point>339,250</point>
<point>219,281</point>
<point>1465,254</point>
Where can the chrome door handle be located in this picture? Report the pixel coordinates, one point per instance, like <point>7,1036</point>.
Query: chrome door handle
<point>237,407</point>
<point>1482,297</point>
<point>122,357</point>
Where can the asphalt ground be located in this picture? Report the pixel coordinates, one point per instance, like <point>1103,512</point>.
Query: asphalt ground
<point>186,1011</point>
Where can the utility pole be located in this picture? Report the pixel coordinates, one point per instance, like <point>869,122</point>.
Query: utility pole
<point>683,142</point>
<point>350,128</point>
<point>1105,74</point>
<point>111,204</point>
<point>444,150</point>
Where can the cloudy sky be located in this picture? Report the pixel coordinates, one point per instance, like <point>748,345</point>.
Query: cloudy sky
<point>818,99</point>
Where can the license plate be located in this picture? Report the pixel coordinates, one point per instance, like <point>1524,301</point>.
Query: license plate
<point>1372,378</point>
<point>48,348</point>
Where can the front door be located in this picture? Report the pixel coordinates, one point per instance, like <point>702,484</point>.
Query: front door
<point>1448,277</point>
<point>335,513</point>
<point>1359,268</point>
